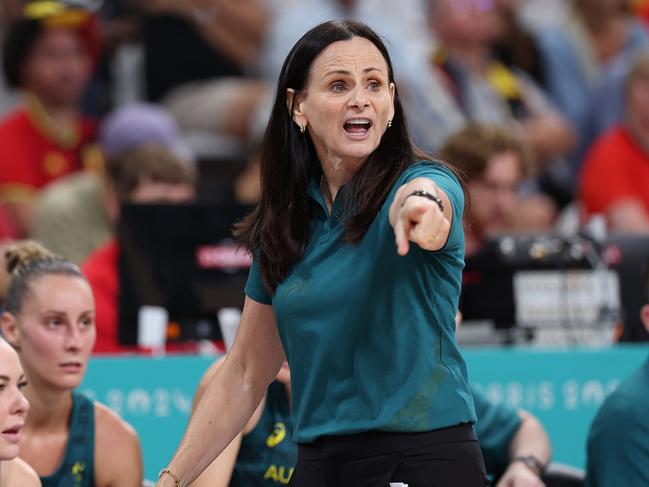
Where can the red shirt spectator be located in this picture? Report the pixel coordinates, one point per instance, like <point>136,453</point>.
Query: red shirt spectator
<point>48,54</point>
<point>615,170</point>
<point>33,154</point>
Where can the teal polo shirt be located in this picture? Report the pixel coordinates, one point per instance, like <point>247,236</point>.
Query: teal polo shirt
<point>370,335</point>
<point>618,440</point>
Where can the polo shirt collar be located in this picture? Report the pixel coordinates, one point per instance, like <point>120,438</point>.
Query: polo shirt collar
<point>315,194</point>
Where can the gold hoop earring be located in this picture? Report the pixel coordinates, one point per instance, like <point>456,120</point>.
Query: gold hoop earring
<point>389,123</point>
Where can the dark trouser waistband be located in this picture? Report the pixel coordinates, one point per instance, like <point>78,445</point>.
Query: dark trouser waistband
<point>362,445</point>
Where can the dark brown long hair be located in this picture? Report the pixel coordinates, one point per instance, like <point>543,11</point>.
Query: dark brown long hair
<point>277,230</point>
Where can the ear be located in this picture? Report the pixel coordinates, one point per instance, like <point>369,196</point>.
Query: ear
<point>644,316</point>
<point>10,330</point>
<point>294,103</point>
<point>393,91</point>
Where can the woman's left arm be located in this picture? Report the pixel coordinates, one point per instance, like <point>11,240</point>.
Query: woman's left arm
<point>420,219</point>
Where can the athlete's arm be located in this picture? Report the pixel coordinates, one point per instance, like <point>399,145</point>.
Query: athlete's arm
<point>219,472</point>
<point>232,394</point>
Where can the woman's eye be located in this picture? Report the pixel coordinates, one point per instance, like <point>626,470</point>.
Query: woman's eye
<point>87,322</point>
<point>53,322</point>
<point>338,87</point>
<point>2,387</point>
<point>374,85</point>
<point>22,385</point>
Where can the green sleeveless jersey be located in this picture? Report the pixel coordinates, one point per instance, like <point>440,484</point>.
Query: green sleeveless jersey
<point>268,453</point>
<point>77,468</point>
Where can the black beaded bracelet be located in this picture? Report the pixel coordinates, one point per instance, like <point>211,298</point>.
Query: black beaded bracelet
<point>425,194</point>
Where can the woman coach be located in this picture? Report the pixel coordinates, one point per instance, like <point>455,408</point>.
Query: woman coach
<point>379,389</point>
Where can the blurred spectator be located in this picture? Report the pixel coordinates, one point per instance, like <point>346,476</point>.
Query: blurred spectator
<point>618,440</point>
<point>75,215</point>
<point>493,165</point>
<point>463,81</point>
<point>143,175</point>
<point>586,59</point>
<point>615,176</point>
<point>536,14</point>
<point>200,58</point>
<point>117,79</point>
<point>48,54</point>
<point>517,47</point>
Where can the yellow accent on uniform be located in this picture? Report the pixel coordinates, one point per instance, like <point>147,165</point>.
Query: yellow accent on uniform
<point>279,474</point>
<point>277,436</point>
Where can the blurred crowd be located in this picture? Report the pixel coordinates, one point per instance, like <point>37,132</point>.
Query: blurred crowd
<point>542,106</point>
<point>561,87</point>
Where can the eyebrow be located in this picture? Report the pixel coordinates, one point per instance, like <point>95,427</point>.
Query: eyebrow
<point>64,313</point>
<point>4,377</point>
<point>53,311</point>
<point>345,72</point>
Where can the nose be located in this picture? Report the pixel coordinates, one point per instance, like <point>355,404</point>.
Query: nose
<point>20,404</point>
<point>73,338</point>
<point>358,97</point>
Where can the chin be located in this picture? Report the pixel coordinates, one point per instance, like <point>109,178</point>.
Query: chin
<point>360,151</point>
<point>8,451</point>
<point>69,382</point>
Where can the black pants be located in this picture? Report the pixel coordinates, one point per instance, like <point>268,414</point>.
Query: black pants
<point>448,457</point>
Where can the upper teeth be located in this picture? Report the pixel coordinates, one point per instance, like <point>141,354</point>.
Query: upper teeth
<point>359,122</point>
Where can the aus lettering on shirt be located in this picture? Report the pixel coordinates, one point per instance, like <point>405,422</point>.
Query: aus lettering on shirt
<point>279,473</point>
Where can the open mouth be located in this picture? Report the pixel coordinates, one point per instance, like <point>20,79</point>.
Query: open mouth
<point>357,126</point>
<point>12,434</point>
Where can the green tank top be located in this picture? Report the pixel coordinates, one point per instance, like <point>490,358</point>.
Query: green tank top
<point>268,453</point>
<point>77,467</point>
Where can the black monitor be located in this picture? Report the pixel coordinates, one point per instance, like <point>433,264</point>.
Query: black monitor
<point>516,279</point>
<point>181,258</point>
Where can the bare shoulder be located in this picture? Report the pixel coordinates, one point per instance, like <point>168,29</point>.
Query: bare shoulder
<point>109,426</point>
<point>117,450</point>
<point>19,474</point>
